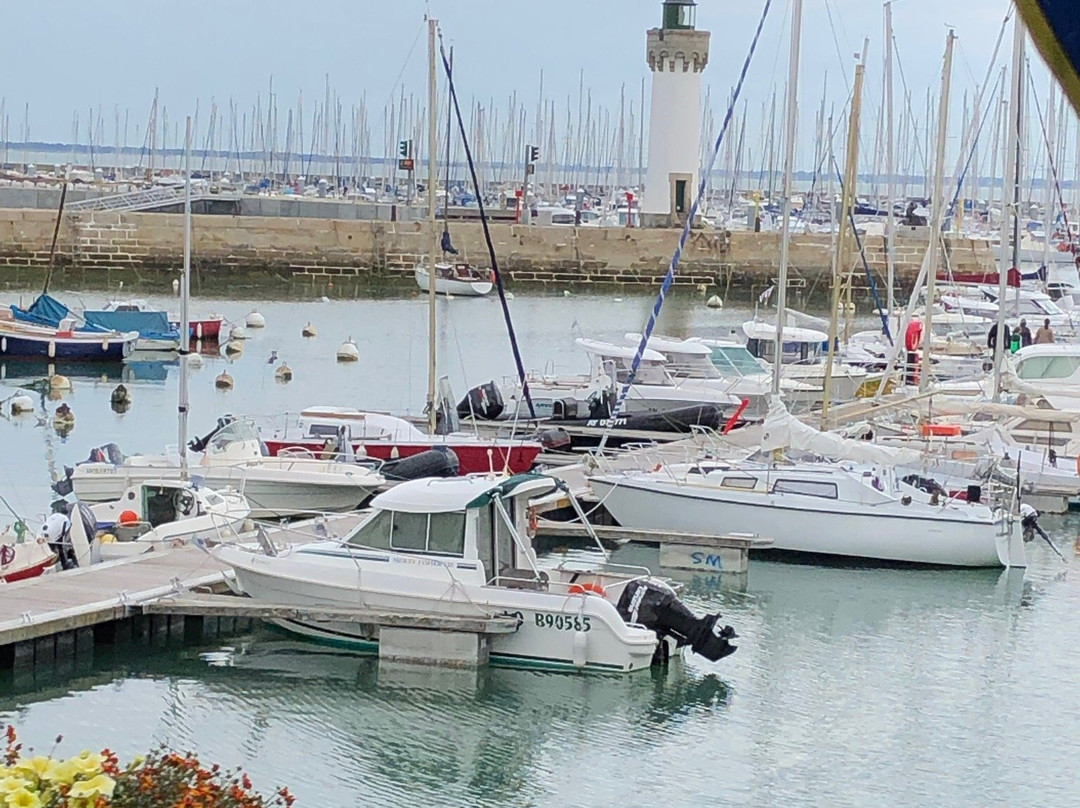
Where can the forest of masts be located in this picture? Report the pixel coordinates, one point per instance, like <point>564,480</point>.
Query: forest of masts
<point>582,142</point>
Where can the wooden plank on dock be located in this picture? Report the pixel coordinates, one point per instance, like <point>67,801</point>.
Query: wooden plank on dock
<point>234,606</point>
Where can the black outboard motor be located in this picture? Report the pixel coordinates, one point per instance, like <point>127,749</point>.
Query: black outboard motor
<point>656,606</point>
<point>200,444</point>
<point>484,402</point>
<point>439,461</point>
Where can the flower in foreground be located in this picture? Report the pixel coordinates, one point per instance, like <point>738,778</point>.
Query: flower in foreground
<point>101,785</point>
<point>23,798</point>
<point>12,783</point>
<point>35,766</point>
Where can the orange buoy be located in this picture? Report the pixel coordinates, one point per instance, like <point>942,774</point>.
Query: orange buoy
<point>128,518</point>
<point>588,588</point>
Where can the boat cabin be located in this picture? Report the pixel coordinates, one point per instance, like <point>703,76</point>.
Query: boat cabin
<point>615,361</point>
<point>480,518</point>
<point>686,359</point>
<point>1054,365</point>
<point>801,345</point>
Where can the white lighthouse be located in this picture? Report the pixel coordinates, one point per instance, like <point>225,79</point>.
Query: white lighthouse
<point>677,54</point>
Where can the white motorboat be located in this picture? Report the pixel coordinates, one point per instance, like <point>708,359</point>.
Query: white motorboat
<point>456,547</point>
<point>654,388</point>
<point>232,456</point>
<point>152,515</point>
<point>24,559</point>
<point>457,279</point>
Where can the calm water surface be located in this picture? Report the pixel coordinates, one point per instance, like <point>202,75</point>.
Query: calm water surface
<point>851,686</point>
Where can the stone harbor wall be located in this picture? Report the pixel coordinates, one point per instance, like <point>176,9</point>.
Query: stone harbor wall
<point>98,249</point>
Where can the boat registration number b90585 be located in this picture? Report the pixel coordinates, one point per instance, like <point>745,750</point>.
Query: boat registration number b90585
<point>563,622</point>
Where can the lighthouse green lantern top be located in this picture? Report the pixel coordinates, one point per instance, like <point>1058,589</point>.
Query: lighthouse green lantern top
<point>679,15</point>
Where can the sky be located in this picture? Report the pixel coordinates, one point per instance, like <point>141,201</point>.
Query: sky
<point>113,54</point>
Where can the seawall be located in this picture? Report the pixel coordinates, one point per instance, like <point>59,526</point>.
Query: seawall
<point>98,249</point>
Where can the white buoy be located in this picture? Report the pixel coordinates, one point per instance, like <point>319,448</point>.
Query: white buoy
<point>21,404</point>
<point>255,320</point>
<point>223,381</point>
<point>283,373</point>
<point>348,352</point>
<point>232,347</point>
<point>237,332</point>
<point>509,295</point>
<point>308,331</point>
<point>176,286</point>
<point>194,361</point>
<point>715,302</point>
<point>58,382</point>
<point>566,293</point>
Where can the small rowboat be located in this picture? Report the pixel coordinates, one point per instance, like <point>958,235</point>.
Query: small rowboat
<point>23,340</point>
<point>462,280</point>
<point>27,560</point>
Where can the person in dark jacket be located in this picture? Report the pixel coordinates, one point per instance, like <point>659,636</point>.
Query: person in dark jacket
<point>991,338</point>
<point>1025,334</point>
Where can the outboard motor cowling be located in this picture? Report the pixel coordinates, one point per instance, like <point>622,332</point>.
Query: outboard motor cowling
<point>656,606</point>
<point>484,402</point>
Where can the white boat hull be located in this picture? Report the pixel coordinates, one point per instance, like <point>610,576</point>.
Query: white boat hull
<point>883,533</point>
<point>557,629</point>
<point>454,287</point>
<point>272,492</point>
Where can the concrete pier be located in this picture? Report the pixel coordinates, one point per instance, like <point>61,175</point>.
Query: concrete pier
<point>97,249</point>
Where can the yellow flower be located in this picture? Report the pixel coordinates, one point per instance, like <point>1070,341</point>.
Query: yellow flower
<point>34,767</point>
<point>88,762</point>
<point>23,798</point>
<point>63,771</point>
<point>11,783</point>
<point>102,784</point>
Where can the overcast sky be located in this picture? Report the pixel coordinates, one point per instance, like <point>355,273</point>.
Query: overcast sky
<point>113,53</point>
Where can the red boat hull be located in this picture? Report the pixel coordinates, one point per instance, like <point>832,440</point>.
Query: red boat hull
<point>32,571</point>
<point>473,458</point>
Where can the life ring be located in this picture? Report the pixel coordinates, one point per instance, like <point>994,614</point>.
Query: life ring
<point>1078,464</point>
<point>588,588</point>
<point>1063,246</point>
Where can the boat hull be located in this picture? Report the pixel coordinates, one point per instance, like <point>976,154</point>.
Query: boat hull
<point>14,343</point>
<point>270,496</point>
<point>609,644</point>
<point>886,534</point>
<point>29,561</point>
<point>475,457</point>
<point>454,287</point>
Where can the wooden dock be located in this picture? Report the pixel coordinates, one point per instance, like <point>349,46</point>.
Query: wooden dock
<point>61,615</point>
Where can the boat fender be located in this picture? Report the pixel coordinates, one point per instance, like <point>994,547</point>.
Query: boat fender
<point>534,523</point>
<point>1078,464</point>
<point>581,647</point>
<point>107,538</point>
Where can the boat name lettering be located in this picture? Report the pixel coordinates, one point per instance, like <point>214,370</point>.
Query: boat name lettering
<point>563,622</point>
<point>427,562</point>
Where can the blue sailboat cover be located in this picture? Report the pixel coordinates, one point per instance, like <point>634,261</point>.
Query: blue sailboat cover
<point>48,311</point>
<point>1054,26</point>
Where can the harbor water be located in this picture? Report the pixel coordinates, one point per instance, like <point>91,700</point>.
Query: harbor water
<point>852,685</point>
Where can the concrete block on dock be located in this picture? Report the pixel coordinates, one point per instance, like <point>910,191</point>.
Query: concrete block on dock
<point>423,646</point>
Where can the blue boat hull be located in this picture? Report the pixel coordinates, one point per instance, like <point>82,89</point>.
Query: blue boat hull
<point>106,349</point>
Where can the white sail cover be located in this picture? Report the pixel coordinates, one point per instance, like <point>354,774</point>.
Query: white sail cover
<point>783,431</point>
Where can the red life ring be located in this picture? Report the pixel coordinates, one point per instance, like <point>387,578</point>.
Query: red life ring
<point>913,335</point>
<point>588,588</point>
<point>1063,246</point>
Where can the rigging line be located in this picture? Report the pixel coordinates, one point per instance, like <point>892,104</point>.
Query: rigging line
<point>836,44</point>
<point>910,111</point>
<point>669,278</point>
<point>487,232</point>
<point>1053,167</point>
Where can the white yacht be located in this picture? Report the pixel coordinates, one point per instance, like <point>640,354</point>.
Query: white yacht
<point>457,547</point>
<point>232,456</point>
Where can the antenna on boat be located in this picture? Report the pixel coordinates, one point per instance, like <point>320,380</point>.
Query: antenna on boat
<point>185,290</point>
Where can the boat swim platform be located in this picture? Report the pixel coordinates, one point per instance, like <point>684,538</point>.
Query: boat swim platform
<point>427,638</point>
<point>57,619</point>
<point>695,552</point>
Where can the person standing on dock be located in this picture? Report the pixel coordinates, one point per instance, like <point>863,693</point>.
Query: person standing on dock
<point>1025,334</point>
<point>991,337</point>
<point>1044,335</point>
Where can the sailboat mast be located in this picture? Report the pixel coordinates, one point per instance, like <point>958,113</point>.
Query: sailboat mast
<point>938,209</point>
<point>432,102</point>
<point>1009,199</point>
<point>185,290</point>
<point>890,165</point>
<point>847,202</point>
<point>790,125</point>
